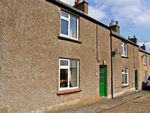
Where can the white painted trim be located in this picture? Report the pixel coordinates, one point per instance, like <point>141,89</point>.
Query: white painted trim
<point>68,19</point>
<point>127,75</point>
<point>68,67</point>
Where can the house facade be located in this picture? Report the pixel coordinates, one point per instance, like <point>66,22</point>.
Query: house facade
<point>55,56</point>
<point>51,56</point>
<point>144,66</point>
<point>125,62</point>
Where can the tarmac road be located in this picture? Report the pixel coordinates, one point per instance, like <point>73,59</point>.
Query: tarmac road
<point>137,105</point>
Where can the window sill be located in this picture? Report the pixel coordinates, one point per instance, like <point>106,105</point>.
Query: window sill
<point>124,57</point>
<point>69,91</point>
<point>123,86</point>
<point>69,39</point>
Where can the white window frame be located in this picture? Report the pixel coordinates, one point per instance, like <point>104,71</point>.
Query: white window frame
<point>68,67</point>
<point>68,19</point>
<point>144,59</point>
<point>127,75</point>
<point>122,45</point>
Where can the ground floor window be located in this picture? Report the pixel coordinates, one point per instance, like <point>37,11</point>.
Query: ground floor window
<point>124,76</point>
<point>145,76</point>
<point>68,74</point>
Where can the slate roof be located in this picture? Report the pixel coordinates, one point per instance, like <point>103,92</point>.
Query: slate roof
<point>142,50</point>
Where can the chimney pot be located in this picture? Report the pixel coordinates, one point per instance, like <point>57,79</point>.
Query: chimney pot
<point>143,47</point>
<point>134,39</point>
<point>78,1</point>
<point>75,2</point>
<point>128,37</point>
<point>117,23</point>
<point>84,0</point>
<point>110,24</point>
<point>134,36</point>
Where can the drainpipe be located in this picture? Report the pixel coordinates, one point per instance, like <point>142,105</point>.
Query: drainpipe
<point>111,63</point>
<point>97,43</point>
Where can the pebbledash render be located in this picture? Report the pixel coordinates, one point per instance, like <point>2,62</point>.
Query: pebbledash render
<point>55,56</point>
<point>125,62</point>
<point>43,59</point>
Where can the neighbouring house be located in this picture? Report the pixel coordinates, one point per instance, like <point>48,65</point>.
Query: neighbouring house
<point>144,66</point>
<point>125,62</point>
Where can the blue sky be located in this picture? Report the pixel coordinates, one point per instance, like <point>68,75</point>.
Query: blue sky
<point>133,16</point>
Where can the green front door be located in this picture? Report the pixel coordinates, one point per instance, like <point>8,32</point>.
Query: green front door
<point>136,80</point>
<point>103,80</point>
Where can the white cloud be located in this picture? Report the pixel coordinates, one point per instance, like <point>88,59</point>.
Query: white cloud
<point>97,13</point>
<point>137,11</point>
<point>117,2</point>
<point>147,44</point>
<point>69,2</point>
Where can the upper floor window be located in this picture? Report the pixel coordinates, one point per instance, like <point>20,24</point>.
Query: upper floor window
<point>144,59</point>
<point>123,49</point>
<point>69,26</point>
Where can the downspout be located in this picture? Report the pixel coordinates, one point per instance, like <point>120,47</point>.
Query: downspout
<point>111,63</point>
<point>133,58</point>
<point>97,43</point>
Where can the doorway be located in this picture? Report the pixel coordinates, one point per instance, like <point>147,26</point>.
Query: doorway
<point>103,80</point>
<point>136,79</point>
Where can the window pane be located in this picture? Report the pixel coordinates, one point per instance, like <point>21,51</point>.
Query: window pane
<point>145,75</point>
<point>121,43</point>
<point>64,27</point>
<point>144,59</point>
<point>101,70</point>
<point>122,70</point>
<point>101,74</point>
<point>101,80</point>
<point>63,78</point>
<point>64,63</point>
<point>125,49</point>
<point>126,70</point>
<point>73,73</point>
<point>125,78</point>
<point>122,50</point>
<point>64,14</point>
<point>73,27</point>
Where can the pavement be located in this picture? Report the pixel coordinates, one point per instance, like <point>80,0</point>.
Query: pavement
<point>104,104</point>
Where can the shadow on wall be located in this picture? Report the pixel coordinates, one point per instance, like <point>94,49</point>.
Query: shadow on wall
<point>145,87</point>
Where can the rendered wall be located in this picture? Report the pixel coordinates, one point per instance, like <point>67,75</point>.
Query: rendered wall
<point>30,52</point>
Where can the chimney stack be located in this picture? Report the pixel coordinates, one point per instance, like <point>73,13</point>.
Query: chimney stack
<point>134,40</point>
<point>83,6</point>
<point>115,27</point>
<point>143,47</point>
